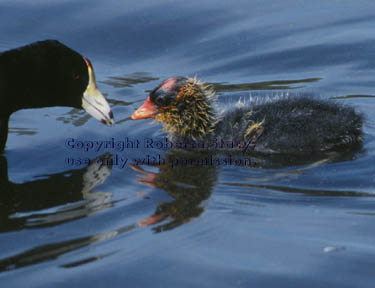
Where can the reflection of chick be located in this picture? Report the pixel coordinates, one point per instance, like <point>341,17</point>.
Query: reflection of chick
<point>188,185</point>
<point>288,125</point>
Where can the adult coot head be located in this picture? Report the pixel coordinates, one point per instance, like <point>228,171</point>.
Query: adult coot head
<point>46,74</point>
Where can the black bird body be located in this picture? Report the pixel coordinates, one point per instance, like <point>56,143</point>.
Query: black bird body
<point>288,125</point>
<point>293,125</point>
<point>44,74</point>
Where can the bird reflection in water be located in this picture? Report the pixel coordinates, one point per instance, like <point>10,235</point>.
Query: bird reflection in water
<point>188,185</point>
<point>53,199</point>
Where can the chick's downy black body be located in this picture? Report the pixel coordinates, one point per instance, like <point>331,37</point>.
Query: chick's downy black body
<point>294,125</point>
<point>46,74</point>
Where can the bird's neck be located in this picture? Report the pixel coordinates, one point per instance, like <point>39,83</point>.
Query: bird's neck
<point>3,170</point>
<point>3,132</point>
<point>195,123</point>
<point>19,76</point>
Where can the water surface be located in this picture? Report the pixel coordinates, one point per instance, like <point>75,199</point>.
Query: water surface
<point>280,223</point>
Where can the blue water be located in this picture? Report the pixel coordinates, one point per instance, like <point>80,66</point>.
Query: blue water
<point>277,224</point>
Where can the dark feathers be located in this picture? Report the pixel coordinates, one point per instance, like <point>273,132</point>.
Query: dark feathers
<point>294,125</point>
<point>47,74</point>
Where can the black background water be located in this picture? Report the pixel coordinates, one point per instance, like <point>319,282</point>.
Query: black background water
<point>279,225</point>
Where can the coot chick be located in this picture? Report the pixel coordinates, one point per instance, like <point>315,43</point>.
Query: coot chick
<point>47,74</point>
<point>286,125</point>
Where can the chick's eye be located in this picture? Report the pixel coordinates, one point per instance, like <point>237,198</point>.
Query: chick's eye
<point>75,76</point>
<point>158,101</point>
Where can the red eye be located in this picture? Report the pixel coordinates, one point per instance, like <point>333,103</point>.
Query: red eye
<point>75,76</point>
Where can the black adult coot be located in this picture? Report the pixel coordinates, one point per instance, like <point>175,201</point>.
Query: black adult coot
<point>46,74</point>
<point>285,125</point>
